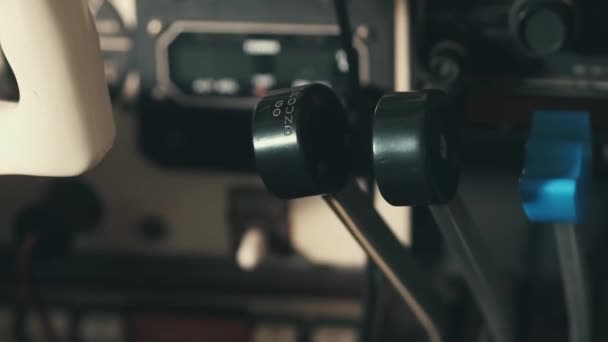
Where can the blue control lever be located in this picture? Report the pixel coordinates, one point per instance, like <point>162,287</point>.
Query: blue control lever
<point>554,186</point>
<point>557,167</point>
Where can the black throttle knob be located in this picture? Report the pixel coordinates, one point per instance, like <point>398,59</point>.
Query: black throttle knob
<point>301,141</point>
<point>415,148</point>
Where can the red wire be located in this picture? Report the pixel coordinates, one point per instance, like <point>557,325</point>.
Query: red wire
<point>26,287</point>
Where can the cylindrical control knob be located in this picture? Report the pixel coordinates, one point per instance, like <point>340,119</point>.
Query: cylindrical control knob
<point>542,27</point>
<point>301,141</point>
<point>415,148</point>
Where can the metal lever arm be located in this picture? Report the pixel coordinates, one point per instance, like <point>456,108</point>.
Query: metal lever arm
<point>571,260</point>
<point>410,279</point>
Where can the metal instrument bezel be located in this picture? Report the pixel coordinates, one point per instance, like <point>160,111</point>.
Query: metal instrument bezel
<point>166,88</point>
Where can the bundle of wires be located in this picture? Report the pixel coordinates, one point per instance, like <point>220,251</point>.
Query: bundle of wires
<point>29,296</point>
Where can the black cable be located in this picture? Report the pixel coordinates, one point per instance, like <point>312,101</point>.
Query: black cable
<point>346,38</point>
<point>29,296</point>
<point>356,104</point>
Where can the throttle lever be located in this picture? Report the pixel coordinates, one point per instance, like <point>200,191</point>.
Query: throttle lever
<point>409,278</point>
<point>302,146</point>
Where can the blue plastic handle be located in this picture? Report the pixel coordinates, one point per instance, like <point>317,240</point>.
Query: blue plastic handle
<point>557,167</point>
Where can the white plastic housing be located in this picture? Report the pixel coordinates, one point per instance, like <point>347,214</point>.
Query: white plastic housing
<point>62,124</point>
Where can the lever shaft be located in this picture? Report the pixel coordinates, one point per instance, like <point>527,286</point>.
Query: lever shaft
<point>574,280</point>
<point>411,280</point>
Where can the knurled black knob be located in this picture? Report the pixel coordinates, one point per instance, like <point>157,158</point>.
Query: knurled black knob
<point>543,27</point>
<point>301,141</point>
<point>415,148</point>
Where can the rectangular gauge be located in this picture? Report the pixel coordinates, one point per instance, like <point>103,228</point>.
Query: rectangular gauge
<point>230,64</point>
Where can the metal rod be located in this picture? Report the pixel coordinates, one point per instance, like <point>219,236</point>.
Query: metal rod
<point>410,279</point>
<point>464,240</point>
<point>575,282</point>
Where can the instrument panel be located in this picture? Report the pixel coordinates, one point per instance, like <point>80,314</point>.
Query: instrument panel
<point>221,64</point>
<point>212,54</point>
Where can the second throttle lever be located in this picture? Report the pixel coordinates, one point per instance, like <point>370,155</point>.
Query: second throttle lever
<point>415,146</point>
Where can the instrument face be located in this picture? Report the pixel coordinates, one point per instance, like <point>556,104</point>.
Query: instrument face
<point>221,64</point>
<point>204,65</point>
